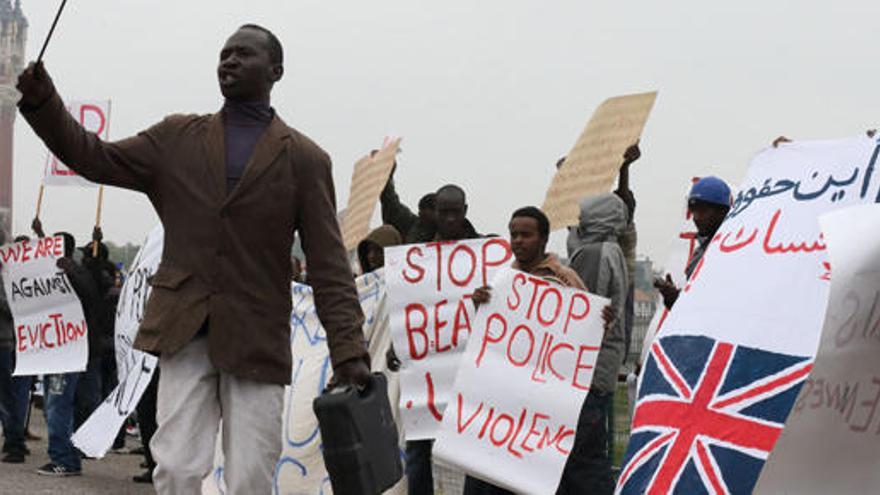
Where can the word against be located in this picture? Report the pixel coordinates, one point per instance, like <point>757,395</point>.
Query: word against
<point>521,384</point>
<point>50,330</point>
<point>431,315</point>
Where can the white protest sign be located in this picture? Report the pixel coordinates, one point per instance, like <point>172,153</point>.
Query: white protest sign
<point>135,368</point>
<point>50,331</point>
<point>726,368</point>
<point>522,380</point>
<point>429,286</point>
<point>829,444</point>
<point>301,467</point>
<point>94,116</point>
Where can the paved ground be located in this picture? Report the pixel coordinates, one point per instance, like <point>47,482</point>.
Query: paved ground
<point>110,475</point>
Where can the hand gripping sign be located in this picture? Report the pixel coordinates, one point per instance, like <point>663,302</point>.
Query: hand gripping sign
<point>522,380</point>
<point>50,331</point>
<point>429,289</point>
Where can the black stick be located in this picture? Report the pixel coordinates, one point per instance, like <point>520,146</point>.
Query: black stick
<point>51,30</point>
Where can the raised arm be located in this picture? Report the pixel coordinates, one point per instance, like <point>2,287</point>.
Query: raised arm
<point>394,212</point>
<point>130,163</point>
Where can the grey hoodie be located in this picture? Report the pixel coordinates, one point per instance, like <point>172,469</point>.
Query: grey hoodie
<point>596,256</point>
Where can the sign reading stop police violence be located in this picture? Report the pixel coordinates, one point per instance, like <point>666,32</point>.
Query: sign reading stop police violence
<point>429,289</point>
<point>50,330</point>
<point>522,380</point>
<point>94,116</point>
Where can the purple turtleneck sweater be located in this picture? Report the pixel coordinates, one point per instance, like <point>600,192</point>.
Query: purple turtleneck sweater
<point>243,124</point>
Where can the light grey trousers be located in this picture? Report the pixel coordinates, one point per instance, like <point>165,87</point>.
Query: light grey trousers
<point>193,398</point>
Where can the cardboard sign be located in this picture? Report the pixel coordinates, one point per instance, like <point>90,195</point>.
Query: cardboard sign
<point>725,369</point>
<point>522,380</point>
<point>94,116</point>
<point>50,331</point>
<point>429,286</point>
<point>829,444</point>
<point>368,179</point>
<point>134,368</point>
<point>594,161</point>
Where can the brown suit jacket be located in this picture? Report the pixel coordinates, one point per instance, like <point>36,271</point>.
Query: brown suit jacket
<point>226,257</point>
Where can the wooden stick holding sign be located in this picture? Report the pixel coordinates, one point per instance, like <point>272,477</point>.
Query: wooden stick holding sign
<point>40,201</point>
<point>51,31</point>
<point>98,220</point>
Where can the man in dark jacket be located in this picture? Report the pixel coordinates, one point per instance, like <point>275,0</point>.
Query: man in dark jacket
<point>230,188</point>
<point>414,228</point>
<point>452,225</point>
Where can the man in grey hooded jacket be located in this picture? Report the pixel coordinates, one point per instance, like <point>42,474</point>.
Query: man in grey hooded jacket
<point>597,258</point>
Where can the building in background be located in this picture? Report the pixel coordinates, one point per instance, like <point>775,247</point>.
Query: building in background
<point>13,36</point>
<point>645,301</point>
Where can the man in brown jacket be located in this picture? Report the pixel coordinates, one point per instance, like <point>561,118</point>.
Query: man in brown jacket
<point>230,188</point>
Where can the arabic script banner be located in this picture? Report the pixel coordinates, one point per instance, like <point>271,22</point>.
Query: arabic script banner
<point>724,371</point>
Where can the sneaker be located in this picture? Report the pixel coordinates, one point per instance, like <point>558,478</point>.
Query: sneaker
<point>13,458</point>
<point>52,469</point>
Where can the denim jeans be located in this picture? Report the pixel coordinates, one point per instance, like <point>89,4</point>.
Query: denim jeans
<point>88,393</point>
<point>14,401</point>
<point>60,392</point>
<point>588,468</point>
<point>419,473</point>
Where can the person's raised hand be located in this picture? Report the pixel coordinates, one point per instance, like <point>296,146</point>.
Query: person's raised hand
<point>632,154</point>
<point>780,140</point>
<point>37,227</point>
<point>35,85</point>
<point>97,234</point>
<point>351,372</point>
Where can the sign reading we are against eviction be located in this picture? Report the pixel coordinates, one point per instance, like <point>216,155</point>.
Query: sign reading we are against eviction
<point>50,331</point>
<point>429,288</point>
<point>513,414</point>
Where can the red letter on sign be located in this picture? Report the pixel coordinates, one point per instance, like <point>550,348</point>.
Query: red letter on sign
<point>487,338</point>
<point>572,315</point>
<point>412,330</point>
<point>504,248</point>
<point>420,272</point>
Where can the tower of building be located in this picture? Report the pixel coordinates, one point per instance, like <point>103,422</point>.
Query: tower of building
<point>13,35</point>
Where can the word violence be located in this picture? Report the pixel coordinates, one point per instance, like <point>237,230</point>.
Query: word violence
<point>49,334</point>
<point>540,305</point>
<point>519,433</point>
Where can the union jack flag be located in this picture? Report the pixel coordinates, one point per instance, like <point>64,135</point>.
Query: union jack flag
<point>708,414</point>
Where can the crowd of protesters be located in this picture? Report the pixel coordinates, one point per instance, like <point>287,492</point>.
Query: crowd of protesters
<point>231,188</point>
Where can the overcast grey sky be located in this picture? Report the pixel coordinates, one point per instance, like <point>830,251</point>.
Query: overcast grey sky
<point>487,94</point>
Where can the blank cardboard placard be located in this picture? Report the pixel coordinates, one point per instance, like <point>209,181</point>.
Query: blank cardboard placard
<point>592,164</point>
<point>369,178</point>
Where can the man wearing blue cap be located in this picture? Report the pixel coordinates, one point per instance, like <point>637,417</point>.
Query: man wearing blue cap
<point>708,203</point>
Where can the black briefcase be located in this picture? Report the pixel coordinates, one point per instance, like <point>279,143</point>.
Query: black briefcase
<point>359,436</point>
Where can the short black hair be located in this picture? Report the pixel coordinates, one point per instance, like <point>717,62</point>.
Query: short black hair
<point>69,243</point>
<point>20,238</point>
<point>538,215</point>
<point>453,188</point>
<point>276,51</point>
<point>428,201</point>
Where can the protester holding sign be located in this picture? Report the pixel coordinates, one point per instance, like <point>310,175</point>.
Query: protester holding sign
<point>708,204</point>
<point>596,256</point>
<point>451,225</point>
<point>529,233</point>
<point>230,188</point>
